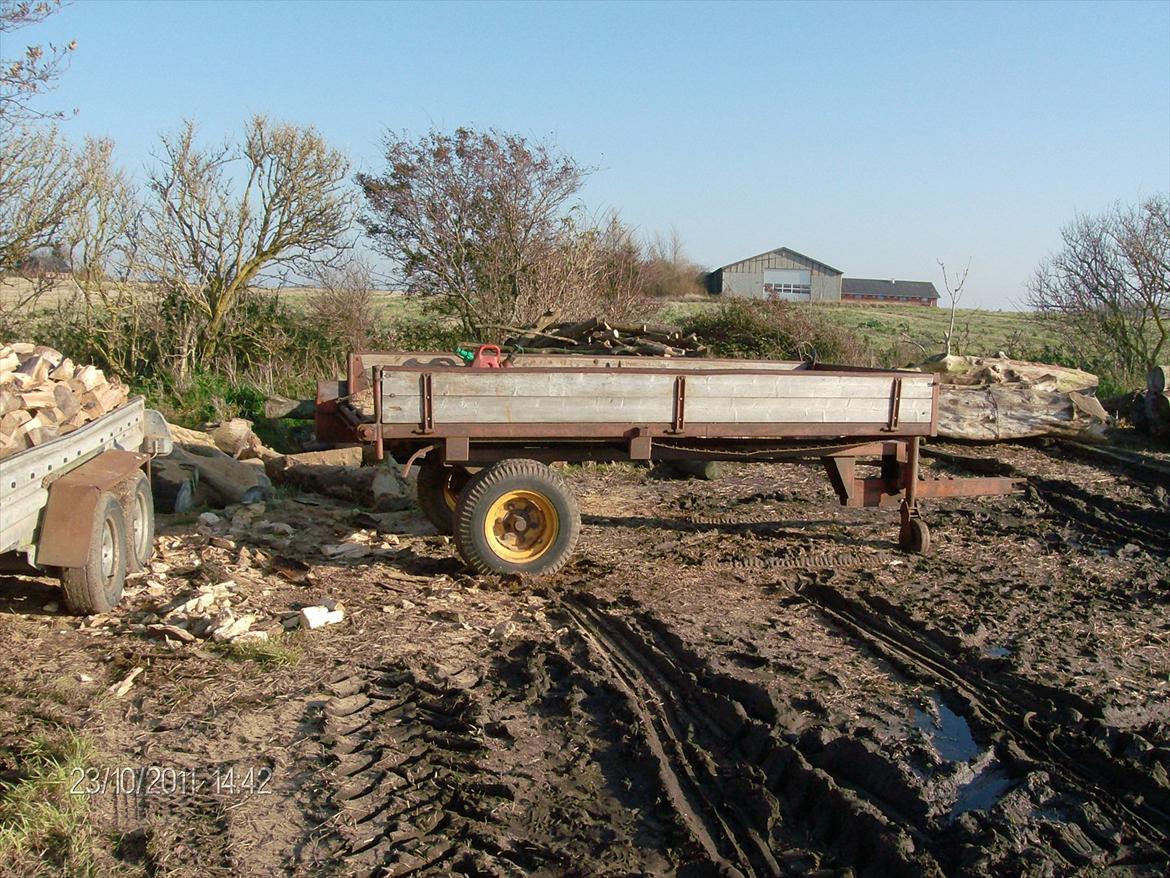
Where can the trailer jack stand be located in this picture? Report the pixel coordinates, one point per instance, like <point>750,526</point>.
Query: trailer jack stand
<point>914,535</point>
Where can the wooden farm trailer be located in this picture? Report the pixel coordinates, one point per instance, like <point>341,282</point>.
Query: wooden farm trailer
<point>483,436</point>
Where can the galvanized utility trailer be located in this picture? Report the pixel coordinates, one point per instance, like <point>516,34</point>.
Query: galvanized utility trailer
<point>79,507</point>
<point>483,436</point>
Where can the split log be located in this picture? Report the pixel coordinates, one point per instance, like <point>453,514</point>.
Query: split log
<point>234,437</point>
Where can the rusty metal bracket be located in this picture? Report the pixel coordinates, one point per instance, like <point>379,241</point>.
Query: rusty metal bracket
<point>67,524</point>
<point>680,404</point>
<point>895,405</point>
<point>456,449</point>
<point>640,444</point>
<point>379,446</point>
<point>410,461</point>
<point>428,405</point>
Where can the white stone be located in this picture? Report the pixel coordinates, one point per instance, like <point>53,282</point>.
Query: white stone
<point>210,519</point>
<point>317,617</point>
<point>230,628</point>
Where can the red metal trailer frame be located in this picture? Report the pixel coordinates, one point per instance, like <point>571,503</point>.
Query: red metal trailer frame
<point>842,448</point>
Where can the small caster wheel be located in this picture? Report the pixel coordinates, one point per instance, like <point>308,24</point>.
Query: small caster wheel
<point>915,537</point>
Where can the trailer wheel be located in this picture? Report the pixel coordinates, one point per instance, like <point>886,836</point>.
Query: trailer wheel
<point>438,493</point>
<point>96,587</point>
<point>139,505</point>
<point>517,516</point>
<point>915,537</point>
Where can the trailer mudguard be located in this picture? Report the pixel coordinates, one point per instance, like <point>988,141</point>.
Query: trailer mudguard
<point>68,519</point>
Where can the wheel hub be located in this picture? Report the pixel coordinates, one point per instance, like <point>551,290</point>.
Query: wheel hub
<point>521,526</point>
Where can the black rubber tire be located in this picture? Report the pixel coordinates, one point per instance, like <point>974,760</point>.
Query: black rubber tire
<point>434,480</point>
<point>87,588</point>
<point>914,537</point>
<point>138,503</point>
<point>492,483</point>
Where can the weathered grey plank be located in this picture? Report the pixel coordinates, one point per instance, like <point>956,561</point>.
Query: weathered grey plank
<point>601,409</point>
<point>569,385</point>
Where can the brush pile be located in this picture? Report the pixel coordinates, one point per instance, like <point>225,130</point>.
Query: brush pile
<point>597,336</point>
<point>44,394</point>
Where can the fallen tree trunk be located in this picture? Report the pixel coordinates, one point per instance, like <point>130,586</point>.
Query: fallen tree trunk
<point>294,409</point>
<point>1006,411</point>
<point>172,485</point>
<point>235,481</point>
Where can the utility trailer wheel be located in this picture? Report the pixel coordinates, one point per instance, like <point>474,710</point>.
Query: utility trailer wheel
<point>96,587</point>
<point>138,502</point>
<point>915,537</point>
<point>517,516</point>
<point>438,492</point>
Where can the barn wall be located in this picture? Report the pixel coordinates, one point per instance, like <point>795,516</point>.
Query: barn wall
<point>746,279</point>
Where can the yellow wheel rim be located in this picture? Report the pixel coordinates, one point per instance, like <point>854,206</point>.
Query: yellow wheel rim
<point>450,492</point>
<point>521,526</point>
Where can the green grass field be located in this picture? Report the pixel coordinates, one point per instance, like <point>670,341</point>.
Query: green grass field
<point>896,332</point>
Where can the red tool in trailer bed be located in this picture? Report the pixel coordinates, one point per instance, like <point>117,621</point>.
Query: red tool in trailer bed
<point>483,435</point>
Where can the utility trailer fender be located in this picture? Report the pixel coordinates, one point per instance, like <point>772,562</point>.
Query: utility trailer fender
<point>78,507</point>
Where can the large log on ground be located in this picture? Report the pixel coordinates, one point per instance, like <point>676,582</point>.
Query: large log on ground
<point>173,485</point>
<point>293,409</point>
<point>1005,411</point>
<point>235,481</point>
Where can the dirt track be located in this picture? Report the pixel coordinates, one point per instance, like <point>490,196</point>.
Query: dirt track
<point>733,678</point>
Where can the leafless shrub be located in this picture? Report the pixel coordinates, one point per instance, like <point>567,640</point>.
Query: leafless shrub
<point>488,221</point>
<point>36,69</point>
<point>1109,287</point>
<point>209,238</point>
<point>343,303</point>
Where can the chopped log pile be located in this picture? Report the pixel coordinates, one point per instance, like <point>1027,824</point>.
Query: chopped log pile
<point>228,465</point>
<point>1151,410</point>
<point>992,399</point>
<point>44,394</point>
<point>598,336</point>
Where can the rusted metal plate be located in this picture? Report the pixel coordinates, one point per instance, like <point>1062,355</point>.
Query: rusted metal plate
<point>975,486</point>
<point>67,524</point>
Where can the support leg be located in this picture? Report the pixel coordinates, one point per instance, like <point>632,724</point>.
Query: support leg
<point>913,535</point>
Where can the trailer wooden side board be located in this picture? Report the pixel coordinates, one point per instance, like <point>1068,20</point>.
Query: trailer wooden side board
<point>517,516</point>
<point>716,401</point>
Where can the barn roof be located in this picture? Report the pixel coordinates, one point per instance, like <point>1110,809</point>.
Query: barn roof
<point>899,289</point>
<point>786,251</point>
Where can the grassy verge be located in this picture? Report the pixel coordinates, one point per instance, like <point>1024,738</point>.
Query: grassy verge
<point>44,829</point>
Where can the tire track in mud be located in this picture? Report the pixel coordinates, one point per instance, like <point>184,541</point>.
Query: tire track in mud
<point>1106,518</point>
<point>750,797</point>
<point>1028,722</point>
<point>410,797</point>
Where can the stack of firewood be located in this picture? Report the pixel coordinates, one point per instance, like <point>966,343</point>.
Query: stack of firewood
<point>44,394</point>
<point>599,337</point>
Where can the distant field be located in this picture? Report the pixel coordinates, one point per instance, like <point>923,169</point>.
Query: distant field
<point>895,331</point>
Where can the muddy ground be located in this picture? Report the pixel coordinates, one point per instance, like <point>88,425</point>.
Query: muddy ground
<point>731,678</point>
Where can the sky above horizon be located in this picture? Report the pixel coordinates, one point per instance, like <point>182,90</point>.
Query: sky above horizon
<point>875,137</point>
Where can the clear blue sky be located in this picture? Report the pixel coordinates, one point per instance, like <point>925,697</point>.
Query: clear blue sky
<point>874,137</point>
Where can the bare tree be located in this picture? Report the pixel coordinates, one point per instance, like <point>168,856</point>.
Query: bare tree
<point>34,71</point>
<point>955,291</point>
<point>481,218</point>
<point>1109,285</point>
<point>343,303</point>
<point>222,220</point>
<point>39,189</point>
